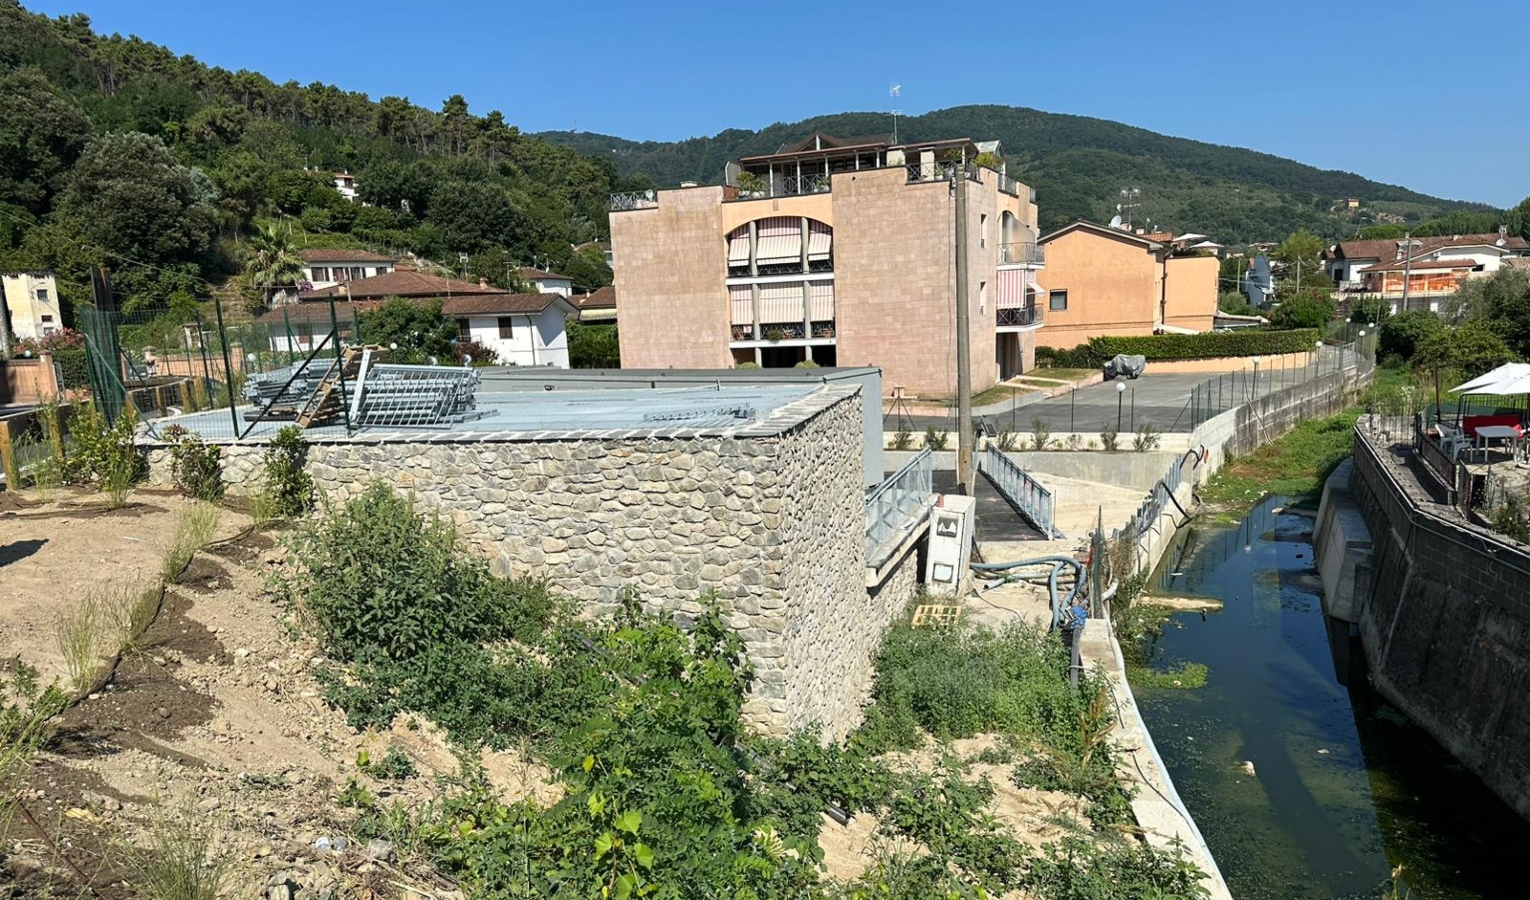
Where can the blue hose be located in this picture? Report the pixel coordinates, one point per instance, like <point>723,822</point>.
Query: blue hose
<point>1059,610</point>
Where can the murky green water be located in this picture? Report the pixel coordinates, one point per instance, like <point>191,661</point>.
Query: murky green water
<point>1344,787</point>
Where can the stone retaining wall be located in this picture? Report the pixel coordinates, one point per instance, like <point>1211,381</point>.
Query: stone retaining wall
<point>770,519</point>
<point>1443,609</point>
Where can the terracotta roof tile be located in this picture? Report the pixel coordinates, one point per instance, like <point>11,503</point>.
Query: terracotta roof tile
<point>401,284</point>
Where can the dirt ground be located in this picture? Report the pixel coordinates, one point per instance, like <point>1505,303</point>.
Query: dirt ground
<point>216,715</point>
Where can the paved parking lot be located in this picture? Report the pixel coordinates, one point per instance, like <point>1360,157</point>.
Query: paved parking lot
<point>1162,401</point>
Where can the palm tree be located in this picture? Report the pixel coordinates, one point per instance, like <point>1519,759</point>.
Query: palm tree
<point>274,266</point>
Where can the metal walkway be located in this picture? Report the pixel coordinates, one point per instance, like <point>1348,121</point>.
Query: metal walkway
<point>997,520</point>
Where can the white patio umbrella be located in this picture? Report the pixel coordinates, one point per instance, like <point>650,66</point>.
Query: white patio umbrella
<point>1495,382</point>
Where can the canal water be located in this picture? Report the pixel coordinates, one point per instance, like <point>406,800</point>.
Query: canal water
<point>1343,788</point>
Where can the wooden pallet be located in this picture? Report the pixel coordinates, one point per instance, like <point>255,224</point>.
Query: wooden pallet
<point>326,401</point>
<point>933,616</point>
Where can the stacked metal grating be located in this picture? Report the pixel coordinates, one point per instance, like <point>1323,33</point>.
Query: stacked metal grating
<point>398,396</point>
<point>265,391</point>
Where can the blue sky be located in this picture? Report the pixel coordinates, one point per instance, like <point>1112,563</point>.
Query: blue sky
<point>1401,92</point>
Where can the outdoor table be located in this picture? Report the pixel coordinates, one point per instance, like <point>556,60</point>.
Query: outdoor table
<point>1486,433</point>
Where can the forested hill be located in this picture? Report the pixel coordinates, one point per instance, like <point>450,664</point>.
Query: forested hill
<point>1078,166</point>
<point>116,151</point>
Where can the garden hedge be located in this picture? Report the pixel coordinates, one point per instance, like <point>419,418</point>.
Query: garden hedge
<point>73,367</point>
<point>1162,347</point>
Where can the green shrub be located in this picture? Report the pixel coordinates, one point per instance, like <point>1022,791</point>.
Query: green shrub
<point>902,439</point>
<point>1166,347</point>
<point>73,367</point>
<point>955,683</point>
<point>1146,439</point>
<point>287,491</point>
<point>936,440</point>
<point>383,583</point>
<point>103,455</point>
<point>197,467</point>
<point>1110,440</point>
<point>393,765</point>
<point>1078,868</point>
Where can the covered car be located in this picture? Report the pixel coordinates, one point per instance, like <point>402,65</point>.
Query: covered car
<point>1123,365</point>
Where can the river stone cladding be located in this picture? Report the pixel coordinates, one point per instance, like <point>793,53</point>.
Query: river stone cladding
<point>770,517</point>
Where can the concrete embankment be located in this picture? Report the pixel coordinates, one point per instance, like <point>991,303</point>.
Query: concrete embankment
<point>1441,608</point>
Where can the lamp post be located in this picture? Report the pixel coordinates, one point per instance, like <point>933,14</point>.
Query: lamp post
<point>1317,357</point>
<point>1120,393</point>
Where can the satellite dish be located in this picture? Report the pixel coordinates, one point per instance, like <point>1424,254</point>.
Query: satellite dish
<point>1115,221</point>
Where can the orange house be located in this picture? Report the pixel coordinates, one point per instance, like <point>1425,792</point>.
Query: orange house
<point>1106,281</point>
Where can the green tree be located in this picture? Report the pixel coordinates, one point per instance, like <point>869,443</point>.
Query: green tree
<point>418,329</point>
<point>1306,310</point>
<point>1469,349</point>
<point>1372,311</point>
<point>593,346</point>
<point>1401,335</point>
<point>1517,220</point>
<point>475,216</point>
<point>134,199</point>
<point>1501,301</point>
<point>1235,304</point>
<point>1301,245</point>
<point>274,265</point>
<point>41,135</point>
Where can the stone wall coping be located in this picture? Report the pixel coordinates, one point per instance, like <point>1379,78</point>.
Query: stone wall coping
<point>781,420</point>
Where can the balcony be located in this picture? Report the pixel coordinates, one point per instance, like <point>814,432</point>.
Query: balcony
<point>758,188</point>
<point>1022,253</point>
<point>1017,316</point>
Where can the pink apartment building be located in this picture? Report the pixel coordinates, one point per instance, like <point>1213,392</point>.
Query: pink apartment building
<point>838,251</point>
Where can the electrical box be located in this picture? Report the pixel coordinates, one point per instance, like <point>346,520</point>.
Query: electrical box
<point>950,549</point>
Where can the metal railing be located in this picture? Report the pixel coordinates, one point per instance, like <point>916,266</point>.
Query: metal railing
<point>634,200</point>
<point>1008,185</point>
<point>935,171</point>
<point>814,183</point>
<point>1035,503</point>
<point>1024,253</point>
<point>898,501</point>
<point>1146,517</point>
<point>1017,315</point>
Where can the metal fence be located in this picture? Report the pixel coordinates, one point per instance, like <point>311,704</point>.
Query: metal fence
<point>1035,503</point>
<point>634,200</point>
<point>898,501</point>
<point>1145,519</point>
<point>1262,377</point>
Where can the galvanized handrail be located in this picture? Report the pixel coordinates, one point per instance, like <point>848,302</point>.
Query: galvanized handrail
<point>634,200</point>
<point>1021,253</point>
<point>897,500</point>
<point>1034,501</point>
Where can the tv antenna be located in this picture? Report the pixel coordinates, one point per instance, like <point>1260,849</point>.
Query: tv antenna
<point>1131,201</point>
<point>894,91</point>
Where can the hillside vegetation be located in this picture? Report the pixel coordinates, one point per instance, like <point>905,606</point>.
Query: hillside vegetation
<point>1078,166</point>
<point>115,151</point>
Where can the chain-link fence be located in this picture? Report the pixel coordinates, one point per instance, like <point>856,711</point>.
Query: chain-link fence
<point>165,363</point>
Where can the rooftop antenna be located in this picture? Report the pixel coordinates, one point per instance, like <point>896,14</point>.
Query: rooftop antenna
<point>1131,199</point>
<point>894,91</point>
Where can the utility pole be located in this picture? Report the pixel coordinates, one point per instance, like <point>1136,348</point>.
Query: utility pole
<point>1407,272</point>
<point>964,471</point>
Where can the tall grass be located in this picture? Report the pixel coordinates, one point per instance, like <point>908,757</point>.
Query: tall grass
<point>90,633</point>
<point>194,529</point>
<point>182,861</point>
<point>25,710</point>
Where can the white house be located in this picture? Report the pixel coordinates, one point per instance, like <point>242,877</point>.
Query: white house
<point>521,329</point>
<point>544,282</point>
<point>345,183</point>
<point>327,268</point>
<point>31,304</point>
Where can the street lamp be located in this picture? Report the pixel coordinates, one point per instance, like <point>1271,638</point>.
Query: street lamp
<point>1317,357</point>
<point>1120,392</point>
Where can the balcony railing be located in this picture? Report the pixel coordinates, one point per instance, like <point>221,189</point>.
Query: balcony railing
<point>634,200</point>
<point>1017,315</point>
<point>1021,253</point>
<point>1028,495</point>
<point>897,502</point>
<point>936,171</point>
<point>787,186</point>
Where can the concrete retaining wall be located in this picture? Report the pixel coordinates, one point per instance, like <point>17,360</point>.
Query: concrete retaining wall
<point>1243,429</point>
<point>1444,619</point>
<point>772,523</point>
